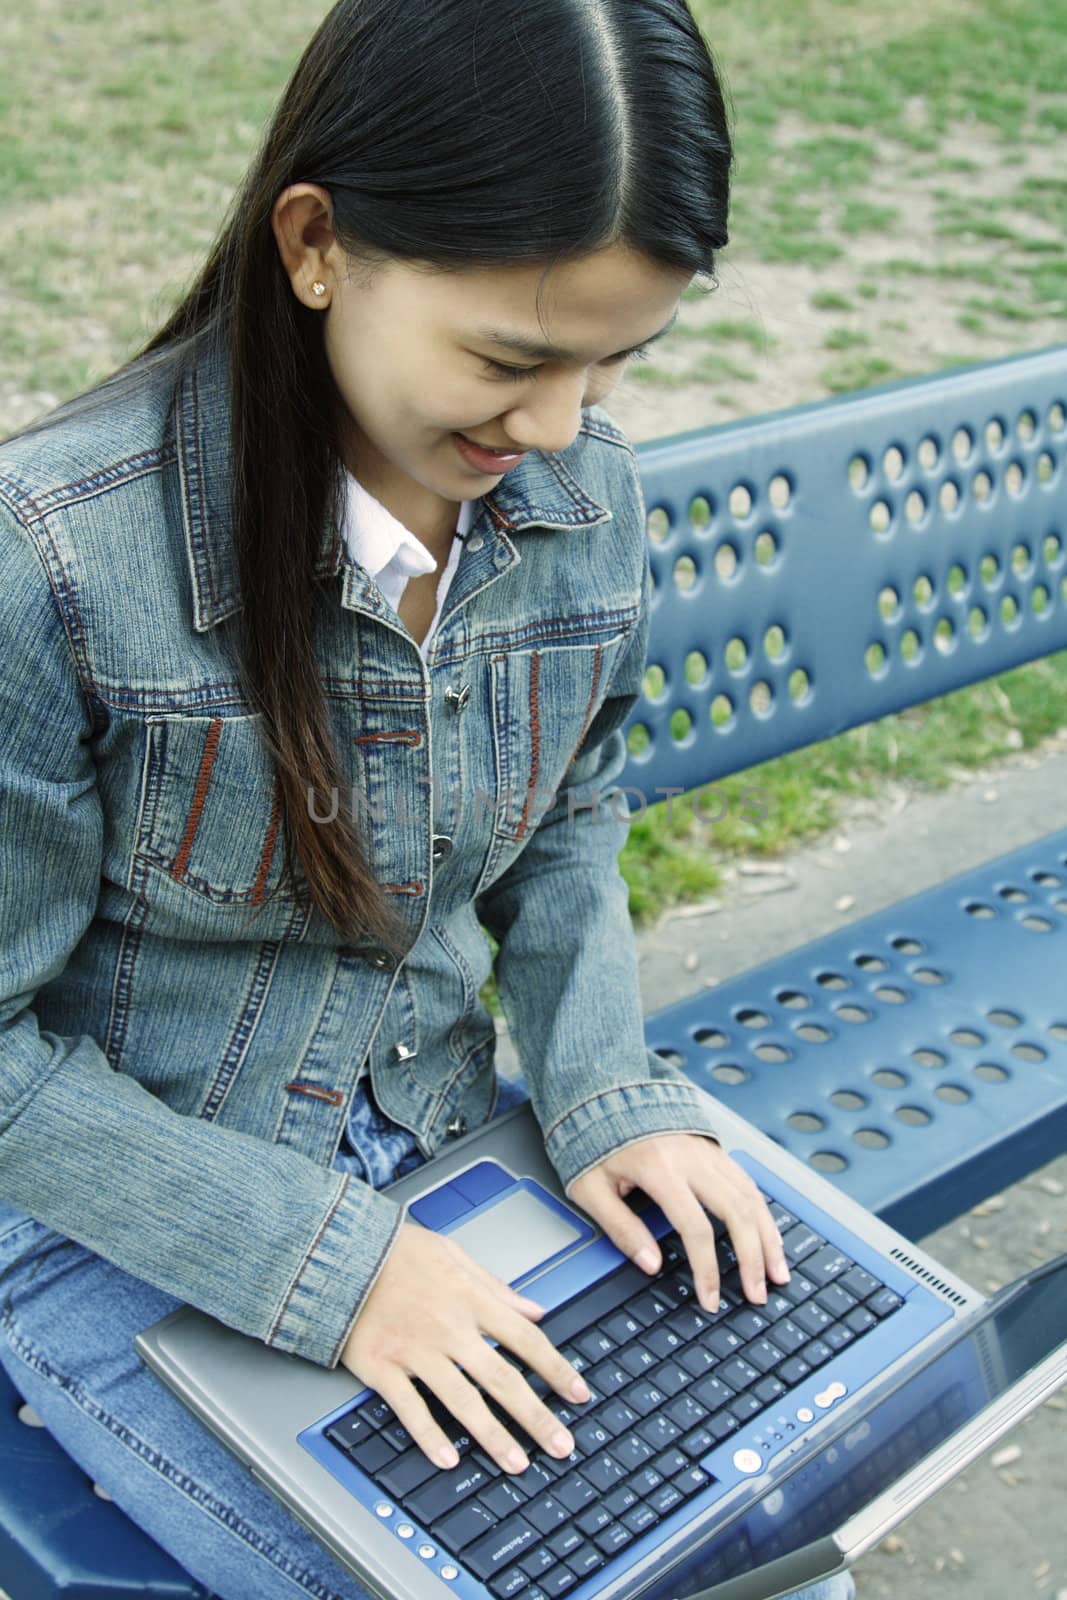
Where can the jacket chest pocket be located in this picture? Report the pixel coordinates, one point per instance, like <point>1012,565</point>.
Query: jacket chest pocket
<point>210,831</point>
<point>543,701</point>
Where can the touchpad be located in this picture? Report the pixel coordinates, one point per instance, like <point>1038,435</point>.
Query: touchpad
<point>516,1234</point>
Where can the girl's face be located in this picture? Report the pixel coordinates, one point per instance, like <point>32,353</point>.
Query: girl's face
<point>420,356</point>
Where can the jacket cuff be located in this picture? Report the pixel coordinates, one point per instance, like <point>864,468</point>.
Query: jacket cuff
<point>611,1119</point>
<point>337,1274</point>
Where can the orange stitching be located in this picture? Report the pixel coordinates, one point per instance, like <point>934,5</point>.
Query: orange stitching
<point>535,724</point>
<point>268,849</point>
<point>333,1096</point>
<point>207,761</point>
<point>592,697</point>
<point>409,736</point>
<point>412,886</point>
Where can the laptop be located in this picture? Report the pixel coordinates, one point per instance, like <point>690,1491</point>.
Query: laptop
<point>740,1454</point>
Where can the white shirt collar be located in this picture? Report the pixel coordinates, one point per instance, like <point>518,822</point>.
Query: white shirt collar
<point>377,540</point>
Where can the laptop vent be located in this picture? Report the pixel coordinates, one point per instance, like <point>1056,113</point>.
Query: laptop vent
<point>927,1277</point>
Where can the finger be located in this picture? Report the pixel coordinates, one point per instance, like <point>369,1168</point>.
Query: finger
<point>459,1395</point>
<point>536,1351</point>
<point>411,1409</point>
<point>504,1291</point>
<point>681,1206</point>
<point>502,1380</point>
<point>622,1224</point>
<point>741,1211</point>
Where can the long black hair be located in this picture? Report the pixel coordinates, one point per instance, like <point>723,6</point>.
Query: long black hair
<point>458,134</point>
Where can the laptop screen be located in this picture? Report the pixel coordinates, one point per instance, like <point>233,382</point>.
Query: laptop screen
<point>1017,1330</point>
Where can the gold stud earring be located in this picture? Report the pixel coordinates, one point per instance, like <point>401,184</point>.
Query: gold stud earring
<point>318,288</point>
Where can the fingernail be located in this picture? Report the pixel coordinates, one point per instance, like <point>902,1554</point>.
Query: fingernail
<point>517,1461</point>
<point>579,1389</point>
<point>713,1301</point>
<point>562,1441</point>
<point>448,1456</point>
<point>647,1258</point>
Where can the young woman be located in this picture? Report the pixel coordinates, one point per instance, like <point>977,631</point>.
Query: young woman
<point>321,619</point>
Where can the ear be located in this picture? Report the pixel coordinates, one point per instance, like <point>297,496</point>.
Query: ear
<point>302,222</point>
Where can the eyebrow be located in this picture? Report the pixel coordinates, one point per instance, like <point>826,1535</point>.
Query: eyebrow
<point>512,339</point>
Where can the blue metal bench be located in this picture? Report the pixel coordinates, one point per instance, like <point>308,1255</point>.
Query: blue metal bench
<point>917,1057</point>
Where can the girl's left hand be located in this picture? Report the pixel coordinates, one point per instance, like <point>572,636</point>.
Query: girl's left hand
<point>683,1173</point>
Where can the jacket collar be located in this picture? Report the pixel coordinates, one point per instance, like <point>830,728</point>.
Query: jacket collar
<point>540,492</point>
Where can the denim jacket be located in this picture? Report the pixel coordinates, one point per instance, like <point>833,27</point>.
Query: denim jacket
<point>179,1040</point>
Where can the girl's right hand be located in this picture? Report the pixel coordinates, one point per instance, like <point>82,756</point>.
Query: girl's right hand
<point>425,1317</point>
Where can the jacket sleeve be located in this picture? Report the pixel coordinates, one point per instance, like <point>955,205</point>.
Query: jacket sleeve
<point>256,1235</point>
<point>566,967</point>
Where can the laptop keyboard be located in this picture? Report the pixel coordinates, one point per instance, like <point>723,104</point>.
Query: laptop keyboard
<point>668,1381</point>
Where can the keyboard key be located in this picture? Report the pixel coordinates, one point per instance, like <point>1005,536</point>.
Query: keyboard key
<point>768,1390</point>
<point>463,1525</point>
<point>595,1344</point>
<point>509,1583</point>
<point>799,1242</point>
<point>838,1336</point>
<point>621,1499</point>
<point>785,1219</point>
<point>835,1299</point>
<point>563,1541</point>
<point>670,1377</point>
<point>712,1393</point>
<point>621,1327</point>
<point>811,1317</point>
<point>825,1264</point>
<point>503,1498</point>
<point>698,1442</point>
<point>687,1322</point>
<point>882,1302</point>
<point>747,1323</point>
<point>860,1320</point>
<point>374,1453</point>
<point>603,1471</point>
<point>816,1354</point>
<point>445,1490</point>
<point>500,1549</point>
<point>637,1359</point>
<point>723,1342</point>
<point>647,1308</point>
<point>696,1359</point>
<point>788,1337</point>
<point>574,1492</point>
<point>762,1355</point>
<point>645,1480</point>
<point>539,1560</point>
<point>670,1462</point>
<point>644,1397</point>
<point>658,1431</point>
<point>559,1580</point>
<point>744,1406</point>
<point>406,1472</point>
<point>662,1341</point>
<point>546,1513</point>
<point>609,1377</point>
<point>585,1560</point>
<point>350,1430</point>
<point>722,1424</point>
<point>685,1410</point>
<point>665,1498</point>
<point>692,1480</point>
<point>640,1517</point>
<point>616,1417</point>
<point>738,1374</point>
<point>612,1538</point>
<point>598,1516</point>
<point>630,1450</point>
<point>797,1289</point>
<point>860,1283</point>
<point>793,1370</point>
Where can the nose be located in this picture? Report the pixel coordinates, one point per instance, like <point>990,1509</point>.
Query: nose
<point>549,420</point>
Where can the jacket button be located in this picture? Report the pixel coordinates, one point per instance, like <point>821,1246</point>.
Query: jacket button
<point>379,958</point>
<point>457,1126</point>
<point>442,847</point>
<point>403,1052</point>
<point>457,698</point>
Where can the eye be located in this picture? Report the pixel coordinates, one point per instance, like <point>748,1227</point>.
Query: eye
<point>518,374</point>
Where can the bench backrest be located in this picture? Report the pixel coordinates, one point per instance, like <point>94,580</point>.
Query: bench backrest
<point>819,567</point>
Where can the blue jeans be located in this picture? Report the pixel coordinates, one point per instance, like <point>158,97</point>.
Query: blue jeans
<point>69,1318</point>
